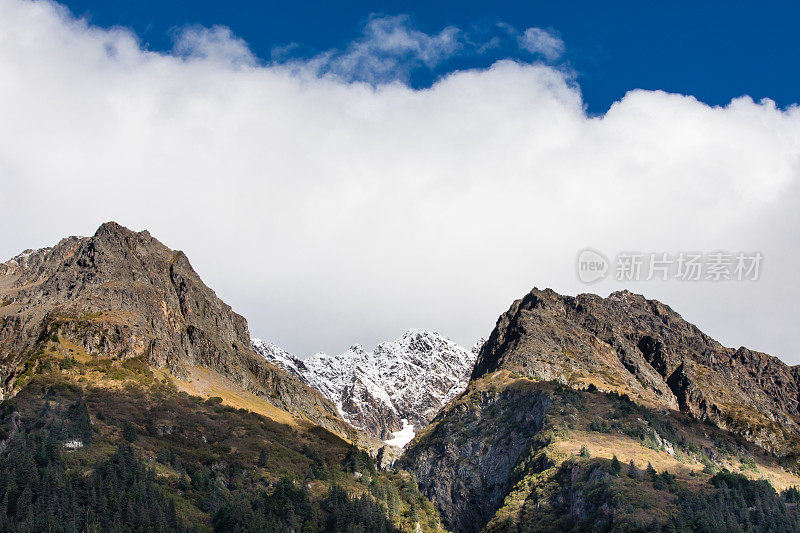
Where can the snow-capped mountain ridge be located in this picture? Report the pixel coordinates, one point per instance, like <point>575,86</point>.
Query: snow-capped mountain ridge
<point>410,378</point>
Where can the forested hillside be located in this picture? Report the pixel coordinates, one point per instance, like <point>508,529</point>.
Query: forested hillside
<point>112,446</point>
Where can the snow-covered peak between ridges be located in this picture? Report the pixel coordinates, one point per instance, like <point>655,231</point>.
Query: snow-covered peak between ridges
<point>410,378</point>
<point>394,363</point>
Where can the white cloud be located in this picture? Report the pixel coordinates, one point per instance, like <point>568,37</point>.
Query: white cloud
<point>388,49</point>
<point>330,212</point>
<point>212,44</point>
<point>539,41</point>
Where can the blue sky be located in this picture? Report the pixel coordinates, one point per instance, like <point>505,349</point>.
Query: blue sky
<point>713,50</point>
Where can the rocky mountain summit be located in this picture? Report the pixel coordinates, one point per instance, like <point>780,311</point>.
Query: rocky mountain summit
<point>568,389</point>
<point>399,383</point>
<point>642,347</point>
<point>113,342</point>
<point>123,294</point>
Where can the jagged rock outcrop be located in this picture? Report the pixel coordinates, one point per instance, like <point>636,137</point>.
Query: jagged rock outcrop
<point>642,347</point>
<point>123,294</point>
<point>465,463</point>
<point>410,379</point>
<point>622,375</point>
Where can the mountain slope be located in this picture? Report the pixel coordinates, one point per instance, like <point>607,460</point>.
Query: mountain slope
<point>106,345</point>
<point>124,294</point>
<point>571,400</point>
<point>642,347</point>
<point>516,454</point>
<point>107,445</point>
<point>409,379</point>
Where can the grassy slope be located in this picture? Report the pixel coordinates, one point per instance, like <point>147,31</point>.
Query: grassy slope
<point>247,444</point>
<point>583,431</point>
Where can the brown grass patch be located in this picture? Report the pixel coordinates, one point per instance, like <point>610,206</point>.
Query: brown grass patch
<point>208,383</point>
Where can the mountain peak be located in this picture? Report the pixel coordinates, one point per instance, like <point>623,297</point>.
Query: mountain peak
<point>122,294</point>
<point>112,227</point>
<point>112,231</point>
<point>409,379</point>
<point>643,348</point>
<point>421,332</point>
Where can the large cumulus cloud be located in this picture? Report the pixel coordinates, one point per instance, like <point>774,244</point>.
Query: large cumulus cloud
<point>331,207</point>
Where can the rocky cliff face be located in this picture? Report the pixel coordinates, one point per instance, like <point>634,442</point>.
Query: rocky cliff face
<point>465,463</point>
<point>409,379</point>
<point>568,389</point>
<point>643,348</point>
<point>124,294</point>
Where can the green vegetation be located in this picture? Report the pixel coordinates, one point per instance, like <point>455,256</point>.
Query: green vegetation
<point>600,426</point>
<point>39,493</point>
<point>748,464</point>
<point>92,443</point>
<point>131,452</point>
<point>583,468</point>
<point>358,462</point>
<point>352,514</point>
<point>286,508</point>
<point>601,495</point>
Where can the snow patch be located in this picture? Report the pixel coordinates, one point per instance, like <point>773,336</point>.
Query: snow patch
<point>402,437</point>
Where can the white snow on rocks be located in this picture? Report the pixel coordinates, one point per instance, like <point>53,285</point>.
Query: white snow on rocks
<point>397,387</point>
<point>402,437</point>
